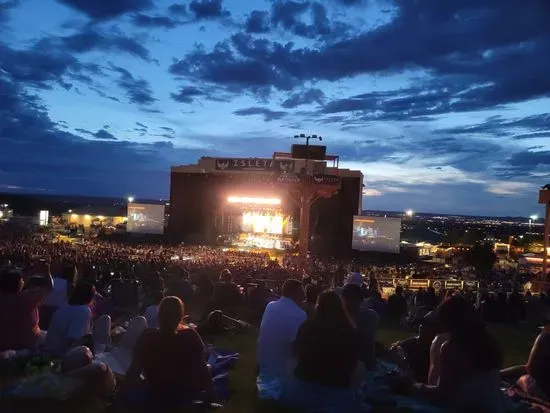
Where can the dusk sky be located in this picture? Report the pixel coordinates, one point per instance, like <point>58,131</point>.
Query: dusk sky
<point>443,104</point>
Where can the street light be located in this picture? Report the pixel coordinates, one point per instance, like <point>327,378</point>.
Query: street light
<point>130,199</point>
<point>532,219</point>
<point>409,213</point>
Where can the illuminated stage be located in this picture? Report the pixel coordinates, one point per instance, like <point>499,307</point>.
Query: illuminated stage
<point>301,198</point>
<point>255,222</point>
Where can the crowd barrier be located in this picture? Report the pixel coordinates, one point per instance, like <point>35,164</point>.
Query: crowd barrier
<point>436,284</point>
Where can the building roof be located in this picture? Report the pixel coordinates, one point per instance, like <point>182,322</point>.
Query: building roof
<point>103,210</point>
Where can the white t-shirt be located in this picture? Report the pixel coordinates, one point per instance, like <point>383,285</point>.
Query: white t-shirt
<point>69,322</point>
<point>58,296</point>
<point>151,315</point>
<point>278,330</point>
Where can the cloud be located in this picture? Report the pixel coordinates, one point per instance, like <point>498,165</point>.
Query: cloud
<point>67,163</point>
<point>5,7</point>
<point>102,10</point>
<point>268,114</point>
<point>104,135</point>
<point>187,94</point>
<point>469,62</point>
<point>138,90</point>
<point>304,97</point>
<point>258,22</point>
<point>91,39</point>
<point>537,125</point>
<point>143,20</point>
<point>287,14</point>
<point>101,134</point>
<point>178,9</point>
<point>372,192</point>
<point>509,188</point>
<point>208,9</point>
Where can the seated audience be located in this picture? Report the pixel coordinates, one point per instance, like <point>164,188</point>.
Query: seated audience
<point>366,322</point>
<point>258,297</point>
<point>312,293</point>
<point>97,378</point>
<point>328,371</point>
<point>19,310</point>
<point>534,377</point>
<point>415,351</point>
<point>470,362</point>
<point>71,324</point>
<point>151,312</point>
<point>172,361</point>
<point>397,306</point>
<point>226,292</point>
<point>278,330</point>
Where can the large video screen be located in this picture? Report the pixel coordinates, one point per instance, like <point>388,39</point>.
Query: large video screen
<point>145,219</point>
<point>376,234</point>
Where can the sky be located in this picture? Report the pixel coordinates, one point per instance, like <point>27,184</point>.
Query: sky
<point>443,105</point>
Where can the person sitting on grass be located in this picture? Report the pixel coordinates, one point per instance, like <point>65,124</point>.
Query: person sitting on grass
<point>471,359</point>
<point>366,322</point>
<point>278,330</point>
<point>19,320</point>
<point>71,324</point>
<point>534,377</point>
<point>414,352</point>
<point>328,371</point>
<point>172,360</point>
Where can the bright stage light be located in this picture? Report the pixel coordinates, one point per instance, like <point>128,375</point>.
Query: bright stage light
<point>253,201</point>
<point>409,213</point>
<point>254,222</point>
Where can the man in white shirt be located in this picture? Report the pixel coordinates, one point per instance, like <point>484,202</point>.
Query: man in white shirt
<point>71,323</point>
<point>278,330</point>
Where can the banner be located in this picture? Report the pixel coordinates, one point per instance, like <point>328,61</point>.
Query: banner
<point>471,285</point>
<point>254,164</point>
<point>419,283</point>
<point>453,285</point>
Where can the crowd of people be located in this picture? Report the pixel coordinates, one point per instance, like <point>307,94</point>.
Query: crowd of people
<point>317,329</point>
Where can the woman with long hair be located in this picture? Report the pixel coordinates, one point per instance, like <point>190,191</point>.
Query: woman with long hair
<point>171,357</point>
<point>470,362</point>
<point>328,371</point>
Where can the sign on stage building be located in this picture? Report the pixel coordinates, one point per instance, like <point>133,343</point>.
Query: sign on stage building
<point>254,164</point>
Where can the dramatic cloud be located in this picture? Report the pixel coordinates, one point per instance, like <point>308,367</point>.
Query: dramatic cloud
<point>5,7</point>
<point>137,90</point>
<point>304,98</point>
<point>208,9</point>
<point>425,97</point>
<point>268,114</point>
<point>108,9</point>
<point>91,39</point>
<point>143,20</point>
<point>187,94</point>
<point>258,22</point>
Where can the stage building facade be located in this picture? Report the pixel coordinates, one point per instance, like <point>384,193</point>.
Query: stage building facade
<point>254,202</point>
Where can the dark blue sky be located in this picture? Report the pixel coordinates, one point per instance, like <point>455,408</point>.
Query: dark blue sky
<point>443,104</point>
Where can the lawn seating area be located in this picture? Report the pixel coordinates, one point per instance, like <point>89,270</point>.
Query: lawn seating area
<point>515,341</point>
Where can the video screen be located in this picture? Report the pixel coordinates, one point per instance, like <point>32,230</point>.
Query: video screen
<point>260,223</point>
<point>376,234</point>
<point>145,219</point>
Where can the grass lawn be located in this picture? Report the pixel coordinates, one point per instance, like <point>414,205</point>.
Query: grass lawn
<point>516,343</point>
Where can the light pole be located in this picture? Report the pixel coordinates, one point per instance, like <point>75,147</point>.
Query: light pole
<point>131,199</point>
<point>409,213</point>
